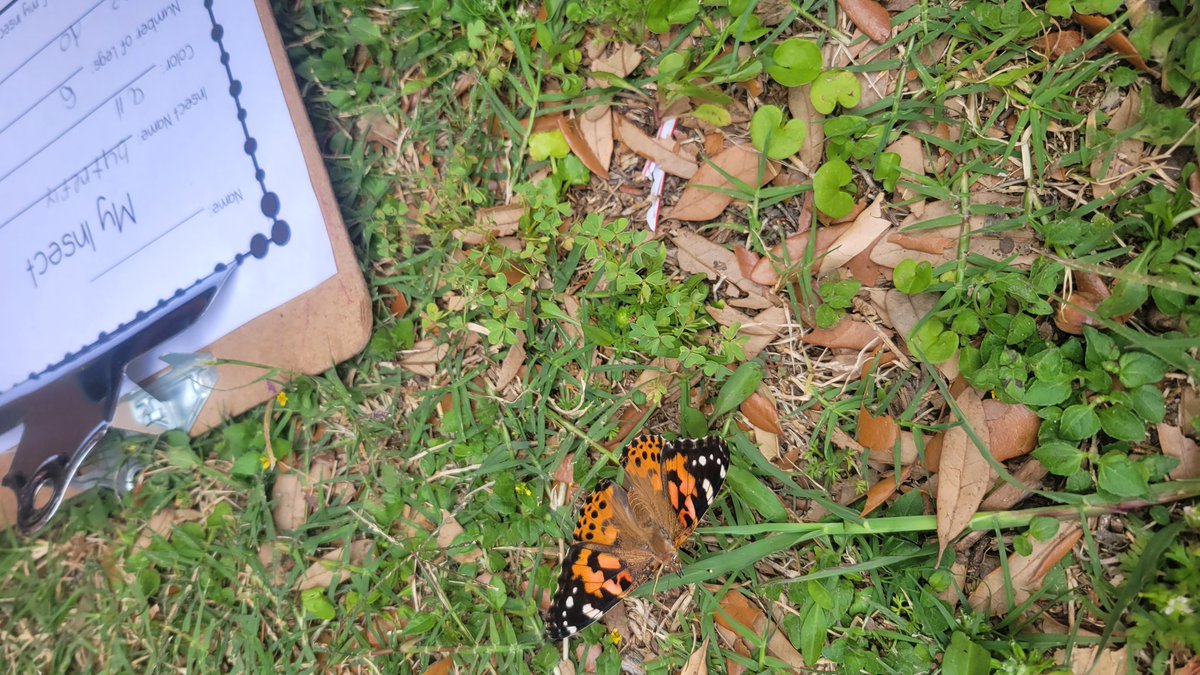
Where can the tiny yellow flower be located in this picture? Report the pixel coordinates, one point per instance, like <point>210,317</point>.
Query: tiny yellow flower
<point>265,461</point>
<point>523,489</point>
<point>615,638</point>
<point>281,399</point>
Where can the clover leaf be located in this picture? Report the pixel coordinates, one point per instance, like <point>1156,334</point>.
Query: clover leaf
<point>827,184</point>
<point>774,138</point>
<point>835,87</point>
<point>797,62</point>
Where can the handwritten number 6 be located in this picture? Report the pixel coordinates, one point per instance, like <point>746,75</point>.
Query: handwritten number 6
<point>68,96</point>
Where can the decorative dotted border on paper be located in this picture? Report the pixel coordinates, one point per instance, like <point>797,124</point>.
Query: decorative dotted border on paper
<point>260,244</point>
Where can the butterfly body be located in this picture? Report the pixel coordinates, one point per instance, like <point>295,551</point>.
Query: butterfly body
<point>627,535</point>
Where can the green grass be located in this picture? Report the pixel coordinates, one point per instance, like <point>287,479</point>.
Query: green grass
<point>401,459</point>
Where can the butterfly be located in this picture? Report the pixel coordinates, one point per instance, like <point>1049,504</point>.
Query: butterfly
<point>628,535</point>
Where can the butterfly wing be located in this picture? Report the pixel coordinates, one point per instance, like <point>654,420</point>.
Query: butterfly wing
<point>592,581</point>
<point>594,577</point>
<point>693,473</point>
<point>642,458</point>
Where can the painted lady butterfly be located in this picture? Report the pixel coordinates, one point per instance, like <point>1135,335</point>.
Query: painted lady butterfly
<point>627,536</point>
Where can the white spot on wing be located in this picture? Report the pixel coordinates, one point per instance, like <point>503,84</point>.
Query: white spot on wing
<point>722,471</point>
<point>592,612</point>
<point>569,603</point>
<point>702,460</point>
<point>708,491</point>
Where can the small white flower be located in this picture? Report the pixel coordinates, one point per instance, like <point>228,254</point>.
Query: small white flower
<point>1178,605</point>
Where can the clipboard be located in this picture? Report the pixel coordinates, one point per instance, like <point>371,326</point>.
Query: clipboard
<point>305,336</point>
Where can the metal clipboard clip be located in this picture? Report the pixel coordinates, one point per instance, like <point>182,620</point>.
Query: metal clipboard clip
<point>66,412</point>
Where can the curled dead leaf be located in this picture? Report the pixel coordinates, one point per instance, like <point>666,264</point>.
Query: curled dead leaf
<point>1116,42</point>
<point>596,128</point>
<point>761,412</point>
<point>746,260</point>
<point>581,148</point>
<point>697,663</point>
<point>290,509</point>
<point>870,17</point>
<point>877,433</point>
<point>1076,311</point>
<point>424,357</point>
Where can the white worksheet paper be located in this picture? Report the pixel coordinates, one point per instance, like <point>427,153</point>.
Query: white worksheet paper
<point>142,144</point>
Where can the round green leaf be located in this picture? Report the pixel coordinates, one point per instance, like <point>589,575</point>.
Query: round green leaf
<point>827,192</point>
<point>774,138</point>
<point>911,277</point>
<point>1147,401</point>
<point>1043,528</point>
<point>834,87</point>
<point>797,62</point>
<point>1042,393</point>
<point>1078,422</point>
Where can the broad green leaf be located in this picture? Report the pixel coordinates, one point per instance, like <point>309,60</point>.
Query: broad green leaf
<point>1043,528</point>
<point>1147,401</point>
<point>1078,422</point>
<point>812,634</point>
<point>1121,477</point>
<point>316,606</point>
<point>738,387</point>
<point>1137,368</point>
<point>712,114</point>
<point>547,144</point>
<point>964,657</point>
<point>912,277</point>
<point>1122,424</point>
<point>1041,393</point>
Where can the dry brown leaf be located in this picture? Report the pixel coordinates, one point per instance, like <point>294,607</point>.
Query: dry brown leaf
<point>512,363</point>
<point>958,576</point>
<point>378,131</point>
<point>883,489</point>
<point>864,231</point>
<point>912,161</point>
<point>761,412</point>
<point>1058,42</point>
<point>1116,42</point>
<point>1008,494</point>
<point>752,619</point>
<point>1175,444</point>
<point>162,523</point>
<point>870,17</point>
<point>648,147</point>
<point>1012,429</point>
<point>1028,572</point>
<point>1108,168</point>
<point>849,333</point>
<point>398,305</point>
<point>762,330</point>
<point>440,667</point>
<point>699,254</point>
<point>331,569</point>
<point>697,663</point>
<point>746,260</point>
<point>597,129</point>
<point>580,146</point>
<point>1076,311</point>
<point>768,443</point>
<point>876,432</point>
<point>964,475</point>
<point>905,311</point>
<point>701,199</point>
<point>1111,661</point>
<point>492,222</point>
<point>290,509</point>
<point>800,106</point>
<point>620,62</point>
<point>424,357</point>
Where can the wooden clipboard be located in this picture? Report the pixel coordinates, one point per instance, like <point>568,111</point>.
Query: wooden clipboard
<point>308,335</point>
